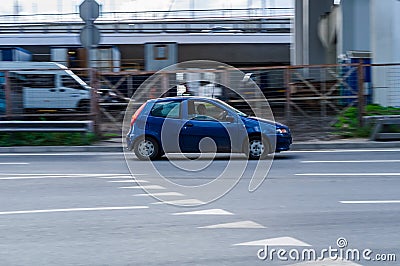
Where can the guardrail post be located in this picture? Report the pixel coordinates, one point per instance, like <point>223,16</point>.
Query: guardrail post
<point>287,94</point>
<point>360,85</point>
<point>94,105</point>
<point>7,92</point>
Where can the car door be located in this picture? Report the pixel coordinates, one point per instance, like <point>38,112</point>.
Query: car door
<point>207,128</point>
<point>69,91</point>
<point>164,122</point>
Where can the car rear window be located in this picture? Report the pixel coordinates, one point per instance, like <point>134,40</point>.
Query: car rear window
<point>170,109</point>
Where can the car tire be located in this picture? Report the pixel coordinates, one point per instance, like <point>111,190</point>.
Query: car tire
<point>83,106</point>
<point>257,148</point>
<point>147,148</point>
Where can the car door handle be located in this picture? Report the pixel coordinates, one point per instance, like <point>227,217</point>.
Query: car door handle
<point>189,125</point>
<point>62,90</point>
<point>52,90</point>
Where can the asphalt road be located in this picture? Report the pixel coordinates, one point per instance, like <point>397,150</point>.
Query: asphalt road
<point>84,209</point>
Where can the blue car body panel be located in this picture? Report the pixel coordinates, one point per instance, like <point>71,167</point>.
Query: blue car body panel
<point>185,134</point>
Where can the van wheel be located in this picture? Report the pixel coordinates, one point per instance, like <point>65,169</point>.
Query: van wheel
<point>146,148</point>
<point>257,148</point>
<point>83,106</point>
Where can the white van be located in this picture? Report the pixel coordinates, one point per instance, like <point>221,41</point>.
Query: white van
<point>47,85</point>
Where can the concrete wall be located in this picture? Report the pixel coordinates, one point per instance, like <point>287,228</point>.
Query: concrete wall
<point>355,31</point>
<point>237,54</point>
<point>385,46</point>
<point>308,47</point>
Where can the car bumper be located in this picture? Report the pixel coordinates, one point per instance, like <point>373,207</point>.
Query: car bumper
<point>283,143</point>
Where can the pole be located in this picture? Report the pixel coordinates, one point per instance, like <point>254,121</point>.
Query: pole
<point>360,85</point>
<point>288,92</point>
<point>7,92</point>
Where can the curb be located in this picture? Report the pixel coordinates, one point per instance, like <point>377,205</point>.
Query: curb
<point>344,145</point>
<point>297,146</point>
<point>52,149</point>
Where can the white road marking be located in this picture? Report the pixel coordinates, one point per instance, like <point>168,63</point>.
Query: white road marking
<point>184,202</point>
<point>369,201</point>
<point>355,161</point>
<point>120,176</point>
<point>14,163</point>
<point>235,225</point>
<point>327,262</point>
<point>75,210</point>
<point>349,174</point>
<point>64,154</point>
<point>279,241</point>
<point>145,187</point>
<point>345,151</point>
<point>128,181</point>
<point>160,194</point>
<point>41,176</point>
<point>205,212</point>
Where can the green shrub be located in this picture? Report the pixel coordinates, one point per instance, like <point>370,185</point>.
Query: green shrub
<point>45,139</point>
<point>347,123</point>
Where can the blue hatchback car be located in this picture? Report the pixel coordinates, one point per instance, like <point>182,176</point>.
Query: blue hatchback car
<point>200,125</point>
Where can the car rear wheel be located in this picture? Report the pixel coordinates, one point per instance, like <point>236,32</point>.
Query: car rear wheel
<point>258,148</point>
<point>83,106</point>
<point>147,149</point>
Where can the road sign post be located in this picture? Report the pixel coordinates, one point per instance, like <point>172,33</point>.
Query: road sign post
<point>89,11</point>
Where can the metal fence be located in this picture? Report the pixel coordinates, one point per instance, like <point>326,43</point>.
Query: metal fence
<point>307,98</point>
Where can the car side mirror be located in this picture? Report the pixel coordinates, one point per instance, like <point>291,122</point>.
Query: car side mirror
<point>229,119</point>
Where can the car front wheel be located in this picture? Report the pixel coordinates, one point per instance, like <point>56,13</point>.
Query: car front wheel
<point>258,148</point>
<point>147,148</point>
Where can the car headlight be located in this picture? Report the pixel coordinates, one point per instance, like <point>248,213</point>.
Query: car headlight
<point>281,131</point>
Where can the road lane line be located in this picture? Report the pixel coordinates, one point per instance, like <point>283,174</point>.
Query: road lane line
<point>327,262</point>
<point>128,181</point>
<point>63,174</point>
<point>145,187</point>
<point>42,176</point>
<point>173,194</point>
<point>279,241</point>
<point>74,210</point>
<point>121,176</point>
<point>345,151</point>
<point>14,163</point>
<point>355,161</point>
<point>235,225</point>
<point>205,212</point>
<point>183,201</point>
<point>349,174</point>
<point>370,201</point>
<point>64,154</point>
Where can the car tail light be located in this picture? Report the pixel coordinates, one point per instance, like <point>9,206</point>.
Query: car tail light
<point>136,114</point>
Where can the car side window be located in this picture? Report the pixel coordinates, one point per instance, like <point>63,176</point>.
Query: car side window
<point>69,82</point>
<point>170,109</point>
<point>199,110</point>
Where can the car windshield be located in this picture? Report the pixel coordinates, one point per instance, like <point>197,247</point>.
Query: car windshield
<point>233,109</point>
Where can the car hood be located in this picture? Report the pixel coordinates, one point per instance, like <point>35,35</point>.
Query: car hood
<point>254,119</point>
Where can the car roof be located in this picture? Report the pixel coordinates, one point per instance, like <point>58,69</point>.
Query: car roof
<point>181,98</point>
